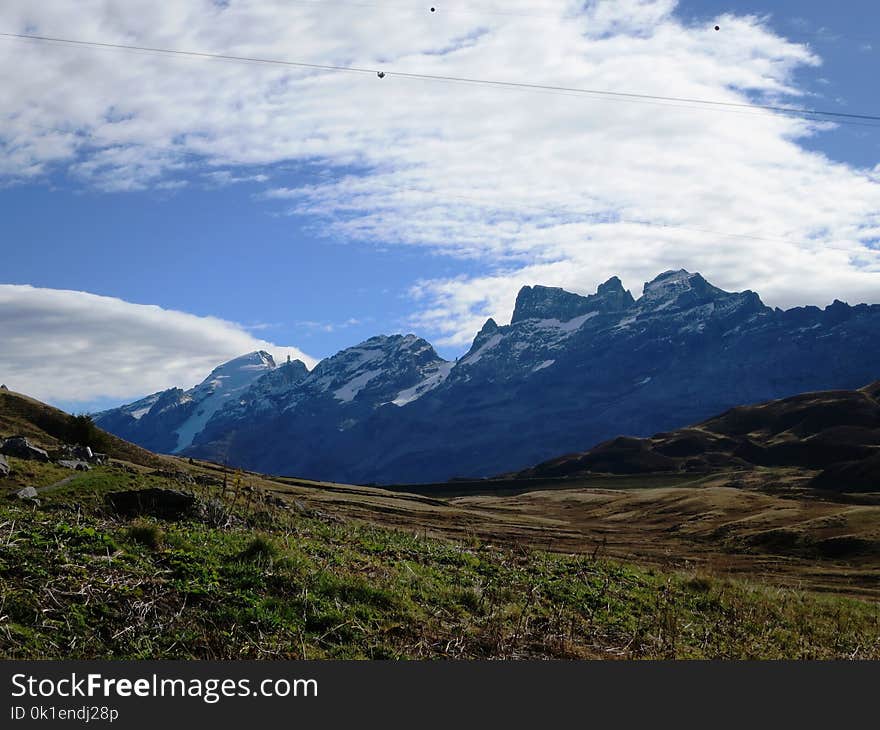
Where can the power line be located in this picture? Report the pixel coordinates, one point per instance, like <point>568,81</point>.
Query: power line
<point>838,117</point>
<point>725,106</point>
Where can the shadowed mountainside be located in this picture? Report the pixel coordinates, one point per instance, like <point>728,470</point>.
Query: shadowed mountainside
<point>836,432</point>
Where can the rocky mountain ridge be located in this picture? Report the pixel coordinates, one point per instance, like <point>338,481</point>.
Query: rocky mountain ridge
<point>568,372</point>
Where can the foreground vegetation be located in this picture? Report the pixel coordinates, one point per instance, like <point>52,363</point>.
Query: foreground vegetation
<point>76,581</point>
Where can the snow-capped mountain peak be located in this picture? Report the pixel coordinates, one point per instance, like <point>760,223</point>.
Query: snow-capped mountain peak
<point>379,368</point>
<point>567,372</point>
<point>222,386</point>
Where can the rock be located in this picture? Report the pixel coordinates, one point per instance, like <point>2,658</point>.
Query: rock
<point>28,494</point>
<point>207,481</point>
<point>74,464</point>
<point>181,477</point>
<point>169,504</point>
<point>4,467</point>
<point>21,448</point>
<point>543,302</point>
<point>82,452</point>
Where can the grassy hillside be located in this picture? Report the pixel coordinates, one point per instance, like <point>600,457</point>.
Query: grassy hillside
<point>49,427</point>
<point>255,580</point>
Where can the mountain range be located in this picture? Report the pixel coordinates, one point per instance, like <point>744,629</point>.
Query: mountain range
<point>568,372</point>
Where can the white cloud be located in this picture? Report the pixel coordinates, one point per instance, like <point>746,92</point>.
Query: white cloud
<point>534,186</point>
<point>73,346</point>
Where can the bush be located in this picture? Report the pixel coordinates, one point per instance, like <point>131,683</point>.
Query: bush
<point>146,534</point>
<point>83,431</point>
<point>259,549</point>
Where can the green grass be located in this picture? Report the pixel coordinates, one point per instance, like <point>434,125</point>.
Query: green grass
<point>76,582</point>
<point>26,473</point>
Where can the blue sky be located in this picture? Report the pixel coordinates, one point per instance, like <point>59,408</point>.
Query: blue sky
<point>847,37</point>
<point>305,213</point>
<point>217,251</point>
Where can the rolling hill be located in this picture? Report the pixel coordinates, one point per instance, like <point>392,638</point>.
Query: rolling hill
<point>835,433</point>
<point>50,427</point>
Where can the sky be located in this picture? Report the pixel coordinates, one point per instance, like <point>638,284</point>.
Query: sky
<point>164,214</point>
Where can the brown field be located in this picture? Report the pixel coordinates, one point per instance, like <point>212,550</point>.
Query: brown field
<point>761,525</point>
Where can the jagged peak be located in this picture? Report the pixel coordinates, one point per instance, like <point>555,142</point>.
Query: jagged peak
<point>391,343</point>
<point>545,302</point>
<point>257,359</point>
<point>670,284</point>
<point>387,340</point>
<point>374,353</point>
<point>287,374</point>
<point>614,295</point>
<point>294,363</point>
<point>486,331</point>
<point>613,285</point>
<point>686,290</point>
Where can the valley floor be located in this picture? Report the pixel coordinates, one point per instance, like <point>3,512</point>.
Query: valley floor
<point>292,569</point>
<point>760,525</point>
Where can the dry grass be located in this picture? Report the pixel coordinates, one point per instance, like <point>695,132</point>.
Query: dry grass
<point>78,582</point>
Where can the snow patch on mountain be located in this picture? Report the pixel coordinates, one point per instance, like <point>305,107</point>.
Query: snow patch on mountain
<point>142,407</point>
<point>428,384</point>
<point>571,325</point>
<point>476,356</point>
<point>347,392</point>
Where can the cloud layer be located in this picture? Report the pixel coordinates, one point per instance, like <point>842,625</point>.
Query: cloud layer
<point>557,188</point>
<point>72,346</point>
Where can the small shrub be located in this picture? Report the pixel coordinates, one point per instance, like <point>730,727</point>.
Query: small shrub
<point>146,534</point>
<point>215,514</point>
<point>699,583</point>
<point>260,549</point>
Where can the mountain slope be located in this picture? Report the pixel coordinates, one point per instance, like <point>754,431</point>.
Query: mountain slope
<point>168,421</point>
<point>568,372</point>
<point>323,416</point>
<point>836,432</point>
